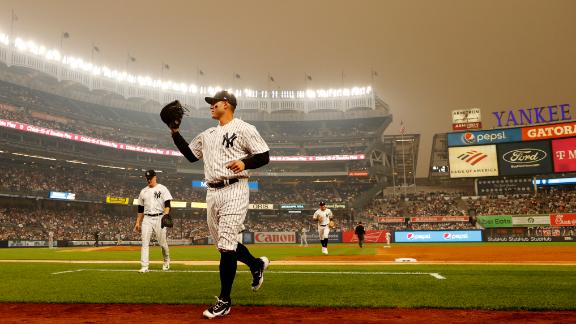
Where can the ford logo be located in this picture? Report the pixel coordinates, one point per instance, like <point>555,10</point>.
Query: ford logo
<point>524,156</point>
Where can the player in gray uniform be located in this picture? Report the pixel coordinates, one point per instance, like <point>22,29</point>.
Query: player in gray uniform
<point>153,204</point>
<point>323,216</point>
<point>228,150</point>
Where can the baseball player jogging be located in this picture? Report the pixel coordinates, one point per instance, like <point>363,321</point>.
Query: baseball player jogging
<point>153,216</point>
<point>388,235</point>
<point>228,150</point>
<point>323,216</point>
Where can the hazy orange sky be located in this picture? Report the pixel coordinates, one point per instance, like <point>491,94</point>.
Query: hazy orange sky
<point>431,56</point>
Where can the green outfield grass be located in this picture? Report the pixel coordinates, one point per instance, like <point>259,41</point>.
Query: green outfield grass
<point>465,286</point>
<point>482,287</point>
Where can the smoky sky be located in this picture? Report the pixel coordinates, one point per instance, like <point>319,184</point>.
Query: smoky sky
<point>431,56</point>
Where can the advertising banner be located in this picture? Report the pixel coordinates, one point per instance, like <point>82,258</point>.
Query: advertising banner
<point>292,206</point>
<point>439,219</point>
<point>466,126</point>
<point>437,236</point>
<point>494,221</point>
<point>177,204</point>
<point>313,237</point>
<point>470,115</point>
<point>274,237</point>
<point>535,220</point>
<point>23,243</point>
<point>198,205</point>
<point>261,206</point>
<point>84,139</point>
<point>335,205</point>
<point>117,200</point>
<point>524,158</point>
<point>564,155</point>
<point>473,161</point>
<point>62,195</point>
<point>357,173</point>
<point>563,219</point>
<point>299,158</point>
<point>549,131</point>
<point>371,236</point>
<point>391,220</point>
<point>484,137</point>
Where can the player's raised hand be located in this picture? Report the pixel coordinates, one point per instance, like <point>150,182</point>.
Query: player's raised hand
<point>236,166</point>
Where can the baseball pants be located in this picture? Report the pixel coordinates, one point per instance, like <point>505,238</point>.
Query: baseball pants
<point>153,224</point>
<point>323,232</point>
<point>226,211</point>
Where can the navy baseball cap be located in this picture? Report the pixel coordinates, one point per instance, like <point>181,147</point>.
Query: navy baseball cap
<point>150,174</point>
<point>222,96</point>
<point>322,203</point>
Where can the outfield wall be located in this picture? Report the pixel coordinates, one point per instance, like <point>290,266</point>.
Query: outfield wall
<point>496,234</point>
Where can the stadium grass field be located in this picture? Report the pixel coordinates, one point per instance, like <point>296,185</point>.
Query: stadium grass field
<point>114,280</point>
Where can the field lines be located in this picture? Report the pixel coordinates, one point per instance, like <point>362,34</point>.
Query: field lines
<point>364,273</point>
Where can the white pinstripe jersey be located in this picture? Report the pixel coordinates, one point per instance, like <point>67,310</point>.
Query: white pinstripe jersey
<point>220,145</point>
<point>323,217</point>
<point>153,198</point>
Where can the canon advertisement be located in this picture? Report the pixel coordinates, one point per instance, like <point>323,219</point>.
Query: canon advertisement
<point>564,155</point>
<point>524,158</point>
<point>437,236</point>
<point>484,137</point>
<point>473,161</point>
<point>274,237</point>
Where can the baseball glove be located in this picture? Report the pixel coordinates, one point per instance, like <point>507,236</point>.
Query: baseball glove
<point>167,221</point>
<point>172,114</point>
<point>332,225</point>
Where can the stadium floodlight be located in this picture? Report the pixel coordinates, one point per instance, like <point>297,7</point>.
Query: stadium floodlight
<point>31,47</point>
<point>4,39</point>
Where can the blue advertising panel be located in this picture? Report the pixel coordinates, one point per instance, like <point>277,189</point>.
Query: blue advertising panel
<point>485,137</point>
<point>61,195</point>
<point>437,236</point>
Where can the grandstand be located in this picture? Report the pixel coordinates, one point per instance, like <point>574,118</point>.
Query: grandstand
<point>70,126</point>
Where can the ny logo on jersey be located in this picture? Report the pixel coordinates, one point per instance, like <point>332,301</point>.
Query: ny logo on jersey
<point>157,194</point>
<point>229,141</point>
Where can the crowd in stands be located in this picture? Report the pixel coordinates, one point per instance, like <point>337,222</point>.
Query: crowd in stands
<point>41,109</point>
<point>544,202</point>
<point>440,204</point>
<point>26,176</point>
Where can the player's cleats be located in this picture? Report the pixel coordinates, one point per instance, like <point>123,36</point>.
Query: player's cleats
<point>258,273</point>
<point>166,266</point>
<point>221,308</point>
<point>143,270</point>
<point>324,250</point>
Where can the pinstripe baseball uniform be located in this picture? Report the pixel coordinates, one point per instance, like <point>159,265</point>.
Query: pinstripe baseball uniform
<point>153,200</point>
<point>227,206</point>
<point>323,218</point>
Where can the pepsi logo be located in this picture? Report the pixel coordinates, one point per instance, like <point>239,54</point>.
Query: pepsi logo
<point>447,236</point>
<point>410,236</point>
<point>468,138</point>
